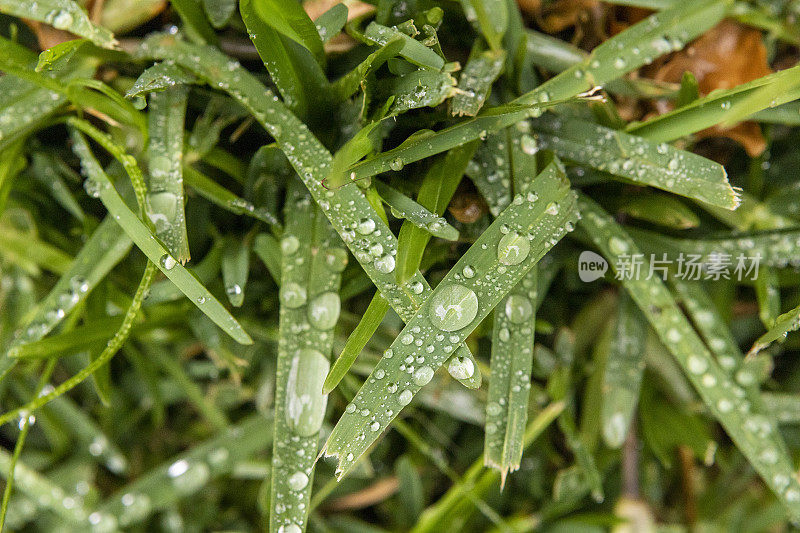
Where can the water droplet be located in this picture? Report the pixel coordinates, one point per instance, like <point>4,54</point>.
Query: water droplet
<point>323,311</point>
<point>620,63</point>
<point>615,429</point>
<point>617,245</point>
<point>289,244</point>
<point>405,397</point>
<point>552,208</point>
<point>513,248</point>
<point>178,468</point>
<point>696,364</point>
<point>453,307</point>
<point>336,259</point>
<point>298,481</point>
<point>375,426</point>
<point>234,290</point>
<point>518,308</point>
<point>423,375</point>
<point>366,226</point>
<point>396,164</point>
<point>167,262</point>
<point>468,271</point>
<point>384,264</point>
<point>292,295</point>
<point>305,403</point>
<point>290,528</point>
<point>461,368</point>
<point>61,20</point>
<point>529,145</point>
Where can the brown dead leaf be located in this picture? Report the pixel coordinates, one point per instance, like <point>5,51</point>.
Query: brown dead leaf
<point>375,493</point>
<point>726,56</point>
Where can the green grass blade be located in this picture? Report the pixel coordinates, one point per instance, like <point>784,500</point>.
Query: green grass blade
<point>267,249</point>
<point>623,372</point>
<point>165,198</point>
<point>785,323</point>
<point>132,225</point>
<point>311,270</point>
<point>62,15</point>
<point>346,207</point>
<point>404,207</point>
<point>235,268</point>
<point>490,171</point>
<point>413,50</point>
<point>509,383</point>
<point>358,339</point>
<point>453,310</point>
<point>23,248</point>
<point>45,170</point>
<point>350,83</point>
<point>159,77</point>
<point>480,73</point>
<point>751,430</point>
<point>184,475</point>
<point>195,23</point>
<point>635,159</point>
<point>662,210</point>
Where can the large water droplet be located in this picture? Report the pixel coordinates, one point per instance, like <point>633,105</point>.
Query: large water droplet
<point>384,264</point>
<point>305,403</point>
<point>513,248</point>
<point>289,244</point>
<point>405,397</point>
<point>423,375</point>
<point>323,311</point>
<point>453,307</point>
<point>298,481</point>
<point>167,262</point>
<point>461,368</point>
<point>366,226</point>
<point>292,295</point>
<point>518,308</point>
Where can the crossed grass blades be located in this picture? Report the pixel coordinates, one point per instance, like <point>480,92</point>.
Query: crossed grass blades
<point>315,204</point>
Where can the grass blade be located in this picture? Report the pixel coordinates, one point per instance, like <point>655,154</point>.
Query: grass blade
<point>310,276</point>
<point>785,323</point>
<point>235,268</point>
<point>165,198</point>
<point>476,81</point>
<point>623,372</point>
<point>509,383</point>
<point>404,207</point>
<point>453,310</point>
<point>751,430</point>
<point>62,15</point>
<point>132,225</point>
<point>633,158</point>
<point>219,195</point>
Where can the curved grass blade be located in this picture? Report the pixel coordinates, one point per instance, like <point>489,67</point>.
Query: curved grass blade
<point>310,275</point>
<point>186,474</point>
<point>404,207</point>
<point>45,170</point>
<point>195,23</point>
<point>99,181</point>
<point>346,207</point>
<point>62,15</point>
<point>490,171</point>
<point>267,249</point>
<point>358,339</point>
<point>633,158</point>
<point>623,372</point>
<point>663,210</point>
<point>480,73</point>
<point>102,251</point>
<point>785,323</point>
<point>640,44</point>
<point>159,77</point>
<point>768,295</point>
<point>331,23</point>
<point>165,198</point>
<point>235,268</point>
<point>525,231</point>
<point>219,195</point>
<point>509,382</point>
<point>348,85</point>
<point>745,422</point>
<point>413,50</point>
<point>26,249</point>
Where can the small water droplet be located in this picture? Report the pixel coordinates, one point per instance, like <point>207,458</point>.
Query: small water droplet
<point>518,308</point>
<point>423,375</point>
<point>292,295</point>
<point>513,248</point>
<point>167,262</point>
<point>298,481</point>
<point>405,397</point>
<point>396,164</point>
<point>289,244</point>
<point>384,264</point>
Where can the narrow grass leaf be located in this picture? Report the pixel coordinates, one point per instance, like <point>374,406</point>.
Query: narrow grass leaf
<point>784,324</point>
<point>413,50</point>
<point>62,15</point>
<point>235,268</point>
<point>477,78</point>
<point>100,184</point>
<point>27,249</point>
<point>509,382</point>
<point>751,430</point>
<point>159,77</point>
<point>310,275</point>
<point>768,295</point>
<point>490,171</point>
<point>195,23</point>
<point>404,207</point>
<point>165,198</point>
<point>330,23</point>
<point>45,170</point>
<point>358,339</point>
<point>267,248</point>
<point>636,159</point>
<point>500,257</point>
<point>219,195</point>
<point>662,210</point>
<point>623,372</point>
<point>350,83</point>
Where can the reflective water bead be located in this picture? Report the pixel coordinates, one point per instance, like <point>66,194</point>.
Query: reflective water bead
<point>453,307</point>
<point>513,249</point>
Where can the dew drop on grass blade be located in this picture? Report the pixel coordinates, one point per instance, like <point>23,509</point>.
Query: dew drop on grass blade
<point>477,78</point>
<point>311,269</point>
<point>235,269</point>
<point>165,198</point>
<point>100,184</point>
<point>500,257</point>
<point>370,240</point>
<point>623,372</point>
<point>746,422</point>
<point>404,207</point>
